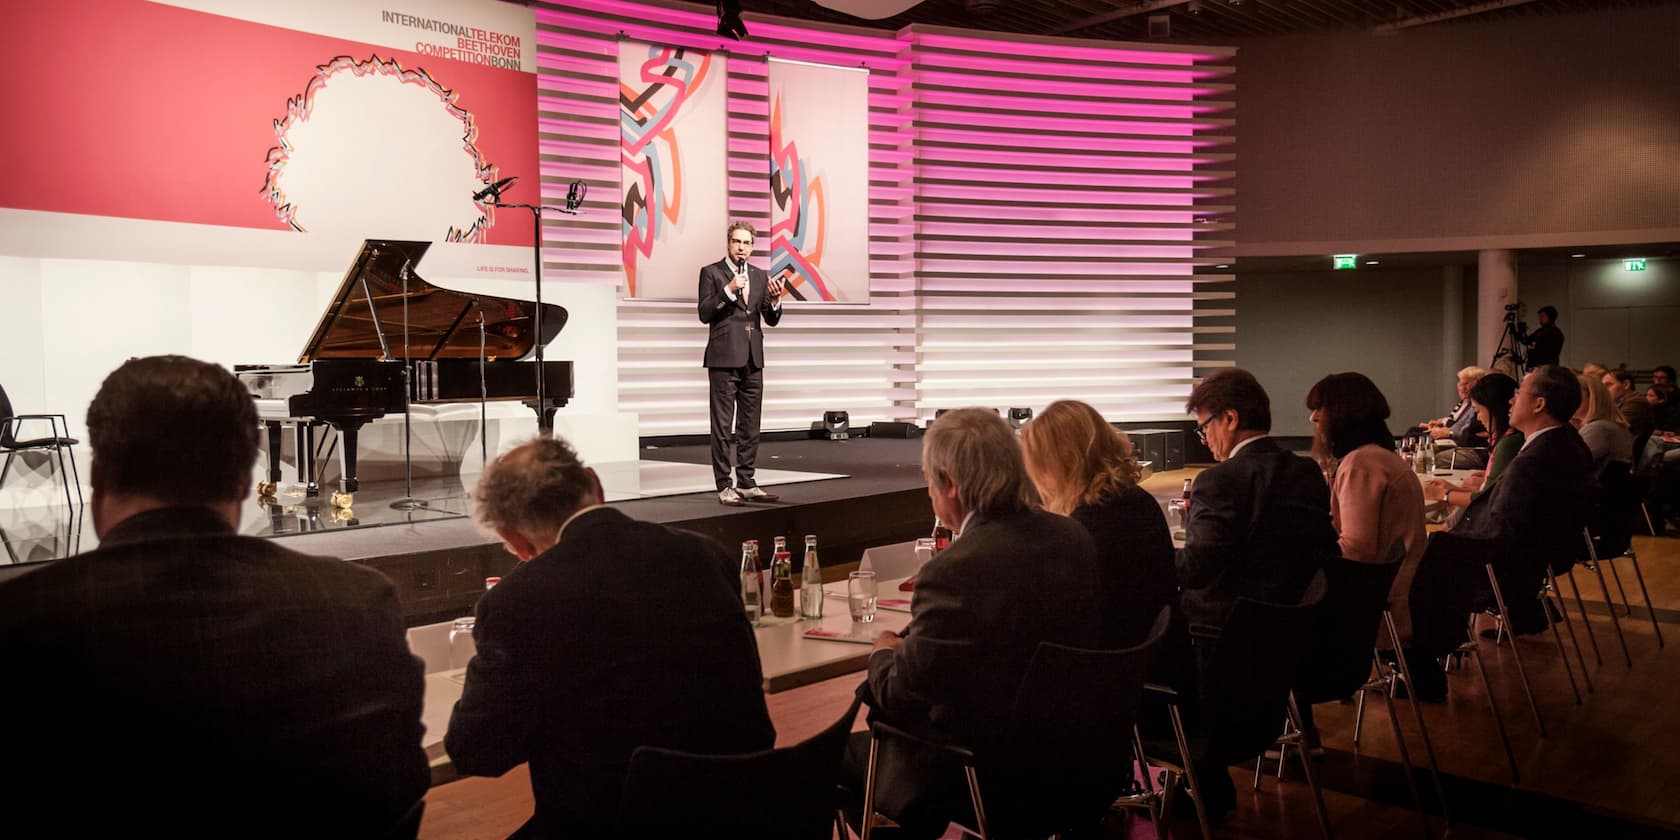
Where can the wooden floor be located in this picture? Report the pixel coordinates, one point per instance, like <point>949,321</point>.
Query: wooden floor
<point>1609,767</point>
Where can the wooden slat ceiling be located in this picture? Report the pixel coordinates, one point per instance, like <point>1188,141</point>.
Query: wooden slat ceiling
<point>1197,21</point>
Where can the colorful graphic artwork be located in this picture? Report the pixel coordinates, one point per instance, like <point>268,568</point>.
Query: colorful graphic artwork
<point>819,181</point>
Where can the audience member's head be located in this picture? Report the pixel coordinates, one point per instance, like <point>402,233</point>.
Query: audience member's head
<point>1492,400</point>
<point>1656,395</point>
<point>1548,396</point>
<point>973,465</point>
<point>1348,411</point>
<point>1467,379</point>
<point>1662,375</point>
<point>529,492</point>
<point>1619,381</point>
<point>1230,407</point>
<point>1594,370</point>
<point>1546,315</point>
<point>170,431</point>
<point>1074,457</point>
<point>1596,403</point>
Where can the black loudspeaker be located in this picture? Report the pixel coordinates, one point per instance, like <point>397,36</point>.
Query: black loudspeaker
<point>894,430</point>
<point>1150,445</point>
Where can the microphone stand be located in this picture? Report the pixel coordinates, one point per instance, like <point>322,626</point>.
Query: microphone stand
<point>407,502</point>
<point>545,416</point>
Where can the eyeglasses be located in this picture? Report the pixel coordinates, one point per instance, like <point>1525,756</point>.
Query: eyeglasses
<point>1201,429</point>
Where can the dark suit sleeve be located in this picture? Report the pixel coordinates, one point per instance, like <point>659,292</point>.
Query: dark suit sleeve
<point>714,304</point>
<point>772,314</point>
<point>490,726</point>
<point>1212,535</point>
<point>908,681</point>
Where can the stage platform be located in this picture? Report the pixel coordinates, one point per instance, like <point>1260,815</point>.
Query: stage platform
<point>852,494</point>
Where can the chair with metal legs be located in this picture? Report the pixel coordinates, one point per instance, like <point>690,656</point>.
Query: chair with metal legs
<point>1610,535</point>
<point>1063,755</point>
<point>1339,664</point>
<point>58,442</point>
<point>1591,564</point>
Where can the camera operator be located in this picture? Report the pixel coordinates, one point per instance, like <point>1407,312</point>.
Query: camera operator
<point>1545,344</point>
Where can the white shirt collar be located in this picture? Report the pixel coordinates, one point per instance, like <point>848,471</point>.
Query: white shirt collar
<point>963,528</point>
<point>1528,439</point>
<point>1239,446</point>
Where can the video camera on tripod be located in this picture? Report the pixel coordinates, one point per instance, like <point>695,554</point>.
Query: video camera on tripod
<point>1512,338</point>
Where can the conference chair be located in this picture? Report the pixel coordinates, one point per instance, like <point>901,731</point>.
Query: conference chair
<point>58,442</point>
<point>1610,535</point>
<point>791,792</point>
<point>1345,630</point>
<point>1246,672</point>
<point>1062,756</point>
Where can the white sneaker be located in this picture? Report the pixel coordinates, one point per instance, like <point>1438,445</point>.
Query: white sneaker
<point>728,496</point>
<point>757,494</point>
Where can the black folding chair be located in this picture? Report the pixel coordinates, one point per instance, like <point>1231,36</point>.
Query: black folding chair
<point>792,792</point>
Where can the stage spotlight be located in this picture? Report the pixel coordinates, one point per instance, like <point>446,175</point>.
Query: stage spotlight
<point>838,425</point>
<point>729,20</point>
<point>1018,417</point>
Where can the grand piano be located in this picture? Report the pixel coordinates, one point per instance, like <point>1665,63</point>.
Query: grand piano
<point>459,346</point>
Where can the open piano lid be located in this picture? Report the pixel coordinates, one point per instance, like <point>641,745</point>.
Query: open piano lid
<point>442,323</point>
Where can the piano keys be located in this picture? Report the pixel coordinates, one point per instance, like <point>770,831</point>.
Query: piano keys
<point>386,325</point>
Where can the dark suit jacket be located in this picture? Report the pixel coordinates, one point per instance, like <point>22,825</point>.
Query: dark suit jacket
<point>188,682</point>
<point>1541,500</point>
<point>979,611</point>
<point>1134,562</point>
<point>737,335</point>
<point>624,633</point>
<point>1545,346</point>
<point>1259,526</point>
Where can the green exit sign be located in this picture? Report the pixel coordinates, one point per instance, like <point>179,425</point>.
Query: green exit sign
<point>1635,264</point>
<point>1344,261</point>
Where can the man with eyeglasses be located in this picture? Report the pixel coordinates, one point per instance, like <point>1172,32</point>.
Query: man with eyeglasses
<point>1532,516</point>
<point>736,301</point>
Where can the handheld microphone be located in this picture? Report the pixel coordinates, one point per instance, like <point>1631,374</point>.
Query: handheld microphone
<point>494,189</point>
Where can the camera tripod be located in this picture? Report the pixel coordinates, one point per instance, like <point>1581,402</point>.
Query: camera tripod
<point>1510,344</point>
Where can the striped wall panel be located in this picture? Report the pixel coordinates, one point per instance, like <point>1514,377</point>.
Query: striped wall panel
<point>1037,211</point>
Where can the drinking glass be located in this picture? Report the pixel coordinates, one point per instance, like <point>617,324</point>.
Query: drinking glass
<point>924,551</point>
<point>860,596</point>
<point>1176,509</point>
<point>461,645</point>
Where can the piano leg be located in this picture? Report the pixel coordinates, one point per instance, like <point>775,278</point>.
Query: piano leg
<point>306,457</point>
<point>266,489</point>
<point>347,467</point>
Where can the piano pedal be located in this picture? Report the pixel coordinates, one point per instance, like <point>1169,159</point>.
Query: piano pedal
<point>343,501</point>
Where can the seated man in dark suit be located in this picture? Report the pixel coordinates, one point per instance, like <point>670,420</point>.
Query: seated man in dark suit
<point>612,634</point>
<point>186,681</point>
<point>1012,578</point>
<point>1258,525</point>
<point>1532,516</point>
<point>1259,521</point>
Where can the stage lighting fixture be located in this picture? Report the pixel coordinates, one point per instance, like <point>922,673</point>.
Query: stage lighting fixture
<point>838,425</point>
<point>729,20</point>
<point>1018,417</point>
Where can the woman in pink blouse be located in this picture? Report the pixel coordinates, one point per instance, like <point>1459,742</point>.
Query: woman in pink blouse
<point>1374,497</point>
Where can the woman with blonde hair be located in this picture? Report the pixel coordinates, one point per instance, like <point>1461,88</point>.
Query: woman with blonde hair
<point>1603,427</point>
<point>1085,469</point>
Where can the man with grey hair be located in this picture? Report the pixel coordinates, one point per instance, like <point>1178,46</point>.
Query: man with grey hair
<point>1013,577</point>
<point>612,634</point>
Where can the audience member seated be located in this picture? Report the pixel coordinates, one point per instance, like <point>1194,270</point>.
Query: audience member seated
<point>612,634</point>
<point>1632,404</point>
<point>1594,370</point>
<point>1258,525</point>
<point>1085,468</point>
<point>1459,435</point>
<point>1533,513</point>
<point>1012,578</point>
<point>1663,375</point>
<point>1665,409</point>
<point>1601,425</point>
<point>185,681</point>
<point>1492,400</point>
<point>1374,497</point>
